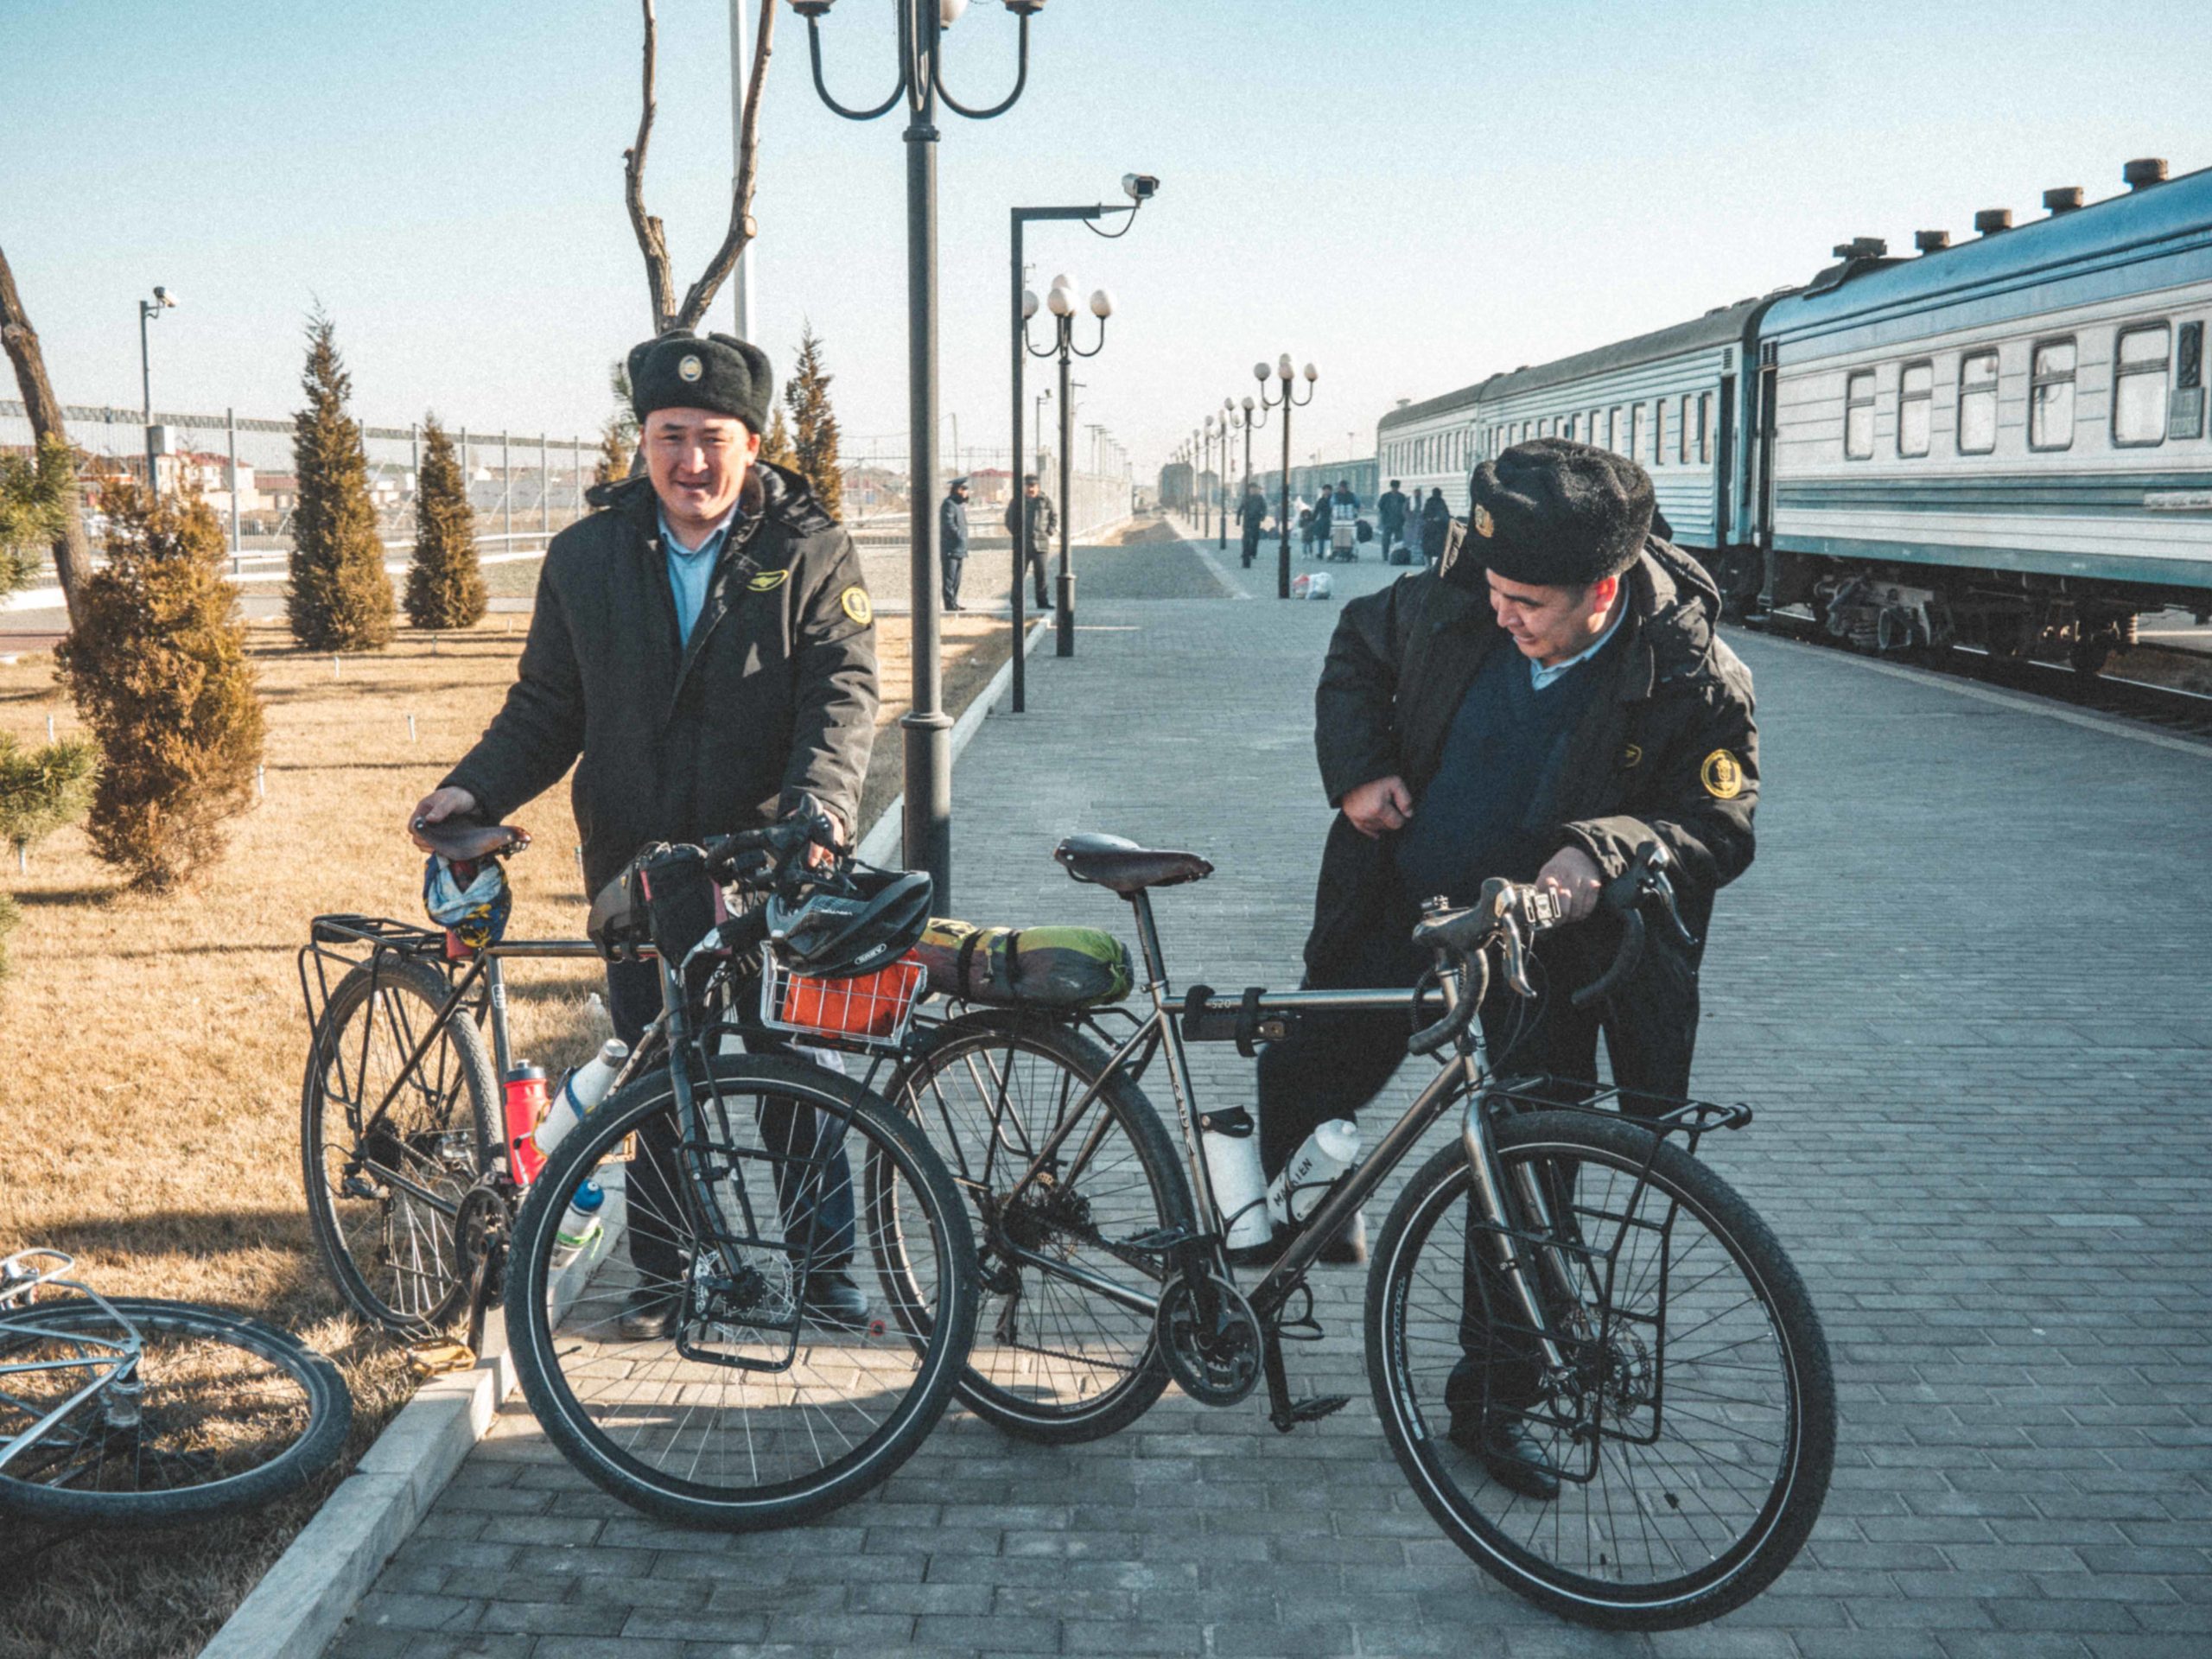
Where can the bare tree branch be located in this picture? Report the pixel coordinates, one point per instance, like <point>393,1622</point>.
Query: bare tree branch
<point>73,553</point>
<point>741,226</point>
<point>652,242</point>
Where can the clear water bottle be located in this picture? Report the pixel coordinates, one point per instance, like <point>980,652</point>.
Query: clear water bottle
<point>1232,1141</point>
<point>579,1226</point>
<point>1312,1170</point>
<point>579,1092</point>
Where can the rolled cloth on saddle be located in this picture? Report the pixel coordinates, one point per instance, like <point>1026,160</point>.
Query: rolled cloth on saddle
<point>1036,966</point>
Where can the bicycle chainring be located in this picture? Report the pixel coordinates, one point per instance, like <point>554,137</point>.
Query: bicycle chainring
<point>482,1226</point>
<point>1216,1361</point>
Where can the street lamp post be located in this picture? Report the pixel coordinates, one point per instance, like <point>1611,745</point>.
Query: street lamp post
<point>148,310</point>
<point>1286,402</point>
<point>1221,487</point>
<point>928,819</point>
<point>1139,188</point>
<point>1060,301</point>
<point>1252,415</point>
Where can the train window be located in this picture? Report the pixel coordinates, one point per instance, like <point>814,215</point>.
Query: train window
<point>1682,431</point>
<point>2050,395</point>
<point>1915,405</point>
<point>2139,392</point>
<point>1658,431</point>
<point>1978,404</point>
<point>1613,428</point>
<point>1705,429</point>
<point>1859,416</point>
<point>1635,430</point>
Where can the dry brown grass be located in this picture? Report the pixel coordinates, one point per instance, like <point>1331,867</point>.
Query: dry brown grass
<point>149,1098</point>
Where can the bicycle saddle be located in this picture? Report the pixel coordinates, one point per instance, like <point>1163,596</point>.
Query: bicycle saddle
<point>1110,862</point>
<point>465,840</point>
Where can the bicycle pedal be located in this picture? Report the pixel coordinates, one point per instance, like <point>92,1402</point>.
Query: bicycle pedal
<point>440,1358</point>
<point>1300,1331</point>
<point>1159,1241</point>
<point>1320,1405</point>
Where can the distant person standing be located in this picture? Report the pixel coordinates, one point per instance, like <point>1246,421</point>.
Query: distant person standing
<point>1391,517</point>
<point>1317,528</point>
<point>1034,508</point>
<point>1344,524</point>
<point>953,538</point>
<point>1252,518</point>
<point>1435,524</point>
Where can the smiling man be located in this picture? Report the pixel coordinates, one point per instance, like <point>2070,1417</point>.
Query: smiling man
<point>703,651</point>
<point>1541,706</point>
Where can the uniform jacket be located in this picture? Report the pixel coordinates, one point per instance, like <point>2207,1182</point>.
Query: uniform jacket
<point>1390,508</point>
<point>772,703</point>
<point>1044,523</point>
<point>1667,747</point>
<point>1252,514</point>
<point>1436,526</point>
<point>952,528</point>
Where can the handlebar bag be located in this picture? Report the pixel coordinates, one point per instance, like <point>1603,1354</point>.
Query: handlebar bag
<point>665,895</point>
<point>1025,967</point>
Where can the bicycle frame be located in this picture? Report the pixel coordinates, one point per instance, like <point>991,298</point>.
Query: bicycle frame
<point>113,1367</point>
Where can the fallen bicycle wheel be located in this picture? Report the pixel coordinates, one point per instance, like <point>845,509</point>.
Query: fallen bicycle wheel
<point>216,1413</point>
<point>1691,1425</point>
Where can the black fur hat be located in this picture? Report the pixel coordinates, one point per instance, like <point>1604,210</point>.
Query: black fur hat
<point>718,373</point>
<point>1557,514</point>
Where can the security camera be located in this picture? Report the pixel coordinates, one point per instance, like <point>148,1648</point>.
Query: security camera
<point>1140,187</point>
<point>163,296</point>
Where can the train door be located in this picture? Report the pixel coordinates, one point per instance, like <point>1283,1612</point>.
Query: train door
<point>1724,475</point>
<point>1763,415</point>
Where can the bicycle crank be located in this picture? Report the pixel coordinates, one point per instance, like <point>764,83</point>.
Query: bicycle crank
<point>1211,1339</point>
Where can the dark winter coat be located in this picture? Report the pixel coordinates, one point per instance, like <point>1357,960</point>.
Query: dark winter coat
<point>771,704</point>
<point>1252,515</point>
<point>952,529</point>
<point>1044,523</point>
<point>1667,747</point>
<point>1435,524</point>
<point>1390,509</point>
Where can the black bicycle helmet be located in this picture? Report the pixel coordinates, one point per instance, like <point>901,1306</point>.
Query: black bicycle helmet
<point>876,919</point>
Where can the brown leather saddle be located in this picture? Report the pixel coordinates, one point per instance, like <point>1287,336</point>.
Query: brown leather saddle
<point>1125,867</point>
<point>464,841</point>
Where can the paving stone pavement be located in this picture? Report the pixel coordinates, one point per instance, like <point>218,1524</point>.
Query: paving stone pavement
<point>1965,984</point>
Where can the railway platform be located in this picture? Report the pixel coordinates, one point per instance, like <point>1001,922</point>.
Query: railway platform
<point>1964,985</point>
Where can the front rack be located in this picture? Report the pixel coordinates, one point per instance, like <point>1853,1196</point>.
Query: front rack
<point>1664,1114</point>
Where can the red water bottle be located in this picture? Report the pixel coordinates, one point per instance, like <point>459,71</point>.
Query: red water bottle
<point>525,1092</point>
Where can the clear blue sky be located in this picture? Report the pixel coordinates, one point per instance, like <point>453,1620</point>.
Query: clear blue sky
<point>1413,193</point>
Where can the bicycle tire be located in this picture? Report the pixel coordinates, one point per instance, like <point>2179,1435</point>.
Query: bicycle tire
<point>1734,1535</point>
<point>292,1402</point>
<point>688,1438</point>
<point>392,1251</point>
<point>1089,1366</point>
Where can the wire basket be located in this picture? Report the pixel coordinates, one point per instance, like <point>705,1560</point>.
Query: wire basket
<point>871,1010</point>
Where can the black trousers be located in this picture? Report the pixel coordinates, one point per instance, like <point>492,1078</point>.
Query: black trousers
<point>1037,562</point>
<point>1252,544</point>
<point>952,580</point>
<point>1333,1065</point>
<point>816,1208</point>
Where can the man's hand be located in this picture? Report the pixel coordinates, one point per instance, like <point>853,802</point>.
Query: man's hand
<point>817,855</point>
<point>1573,875</point>
<point>437,806</point>
<point>1383,804</point>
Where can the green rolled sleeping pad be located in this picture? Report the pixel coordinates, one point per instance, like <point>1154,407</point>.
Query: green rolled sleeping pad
<point>1025,967</point>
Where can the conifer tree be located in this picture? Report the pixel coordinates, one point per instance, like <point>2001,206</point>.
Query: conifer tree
<point>618,439</point>
<point>36,497</point>
<point>157,665</point>
<point>42,789</point>
<point>339,598</point>
<point>776,447</point>
<point>445,584</point>
<point>814,438</point>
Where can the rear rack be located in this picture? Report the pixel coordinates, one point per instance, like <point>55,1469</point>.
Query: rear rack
<point>1678,1114</point>
<point>338,945</point>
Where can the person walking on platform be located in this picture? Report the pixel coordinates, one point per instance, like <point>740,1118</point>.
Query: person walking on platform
<point>703,651</point>
<point>1034,509</point>
<point>1317,528</point>
<point>1344,524</point>
<point>1251,519</point>
<point>1390,518</point>
<point>1542,707</point>
<point>1435,523</point>
<point>952,538</point>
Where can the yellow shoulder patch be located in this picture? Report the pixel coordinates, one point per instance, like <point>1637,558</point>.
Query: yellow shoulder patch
<point>1722,776</point>
<point>767,580</point>
<point>855,600</point>
<point>1630,756</point>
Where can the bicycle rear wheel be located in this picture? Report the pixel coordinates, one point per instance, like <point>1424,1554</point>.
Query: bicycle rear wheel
<point>1058,1357</point>
<point>384,1190</point>
<point>1692,1424</point>
<point>224,1413</point>
<point>762,1405</point>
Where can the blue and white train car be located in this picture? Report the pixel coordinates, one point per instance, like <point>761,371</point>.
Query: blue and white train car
<point>1431,445</point>
<point>2003,441</point>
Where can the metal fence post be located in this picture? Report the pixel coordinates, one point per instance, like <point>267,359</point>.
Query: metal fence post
<point>506,493</point>
<point>231,423</point>
<point>544,490</point>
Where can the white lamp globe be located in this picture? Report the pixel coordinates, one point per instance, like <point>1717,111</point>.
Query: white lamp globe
<point>1101,304</point>
<point>1313,373</point>
<point>1282,367</point>
<point>1061,300</point>
<point>1029,303</point>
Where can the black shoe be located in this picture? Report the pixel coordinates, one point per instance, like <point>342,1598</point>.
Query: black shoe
<point>832,1298</point>
<point>649,1315</point>
<point>1510,1452</point>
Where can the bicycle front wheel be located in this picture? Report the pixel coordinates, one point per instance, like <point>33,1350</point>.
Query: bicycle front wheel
<point>217,1414</point>
<point>387,1149</point>
<point>726,1341</point>
<point>1690,1426</point>
<point>1065,1350</point>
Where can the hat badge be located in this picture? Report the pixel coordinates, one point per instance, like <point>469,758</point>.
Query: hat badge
<point>1485,526</point>
<point>690,368</point>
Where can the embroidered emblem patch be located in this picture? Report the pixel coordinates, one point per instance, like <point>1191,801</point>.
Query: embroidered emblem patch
<point>1485,526</point>
<point>689,369</point>
<point>855,601</point>
<point>1722,777</point>
<point>1630,756</point>
<point>767,580</point>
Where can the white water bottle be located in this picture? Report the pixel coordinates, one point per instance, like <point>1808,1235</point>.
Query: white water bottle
<point>580,1224</point>
<point>580,1091</point>
<point>1232,1141</point>
<point>1311,1170</point>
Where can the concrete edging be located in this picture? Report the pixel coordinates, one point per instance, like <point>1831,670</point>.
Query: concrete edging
<point>314,1585</point>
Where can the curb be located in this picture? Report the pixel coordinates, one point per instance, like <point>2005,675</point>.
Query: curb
<point>313,1588</point>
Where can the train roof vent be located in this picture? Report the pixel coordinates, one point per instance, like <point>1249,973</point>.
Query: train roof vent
<point>2064,200</point>
<point>1931,241</point>
<point>1861,247</point>
<point>2141,174</point>
<point>1990,220</point>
